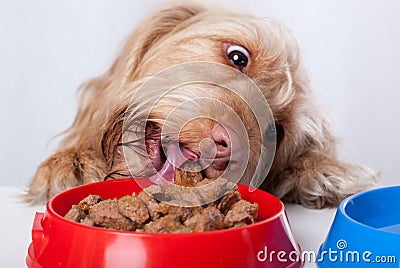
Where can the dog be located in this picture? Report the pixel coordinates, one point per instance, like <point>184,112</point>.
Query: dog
<point>305,168</point>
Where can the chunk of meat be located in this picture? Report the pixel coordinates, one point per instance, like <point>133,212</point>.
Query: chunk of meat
<point>152,205</point>
<point>87,221</point>
<point>210,219</point>
<point>242,212</point>
<point>166,224</point>
<point>210,190</point>
<point>75,214</point>
<point>230,198</point>
<point>154,191</point>
<point>86,203</point>
<point>106,214</point>
<point>133,208</point>
<point>183,213</point>
<point>189,174</point>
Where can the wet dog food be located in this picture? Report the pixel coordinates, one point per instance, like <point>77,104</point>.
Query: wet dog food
<point>145,213</point>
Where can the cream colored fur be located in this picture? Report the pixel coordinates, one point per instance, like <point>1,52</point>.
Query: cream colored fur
<point>305,169</point>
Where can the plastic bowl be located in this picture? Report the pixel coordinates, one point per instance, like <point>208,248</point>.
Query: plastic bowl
<point>57,242</point>
<point>365,231</point>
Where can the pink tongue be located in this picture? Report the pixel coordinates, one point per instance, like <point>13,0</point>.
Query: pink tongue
<point>176,156</point>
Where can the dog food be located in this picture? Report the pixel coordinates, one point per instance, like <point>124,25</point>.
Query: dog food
<point>143,212</point>
<point>188,174</point>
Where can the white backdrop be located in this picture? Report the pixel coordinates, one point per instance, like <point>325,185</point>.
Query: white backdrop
<point>48,48</point>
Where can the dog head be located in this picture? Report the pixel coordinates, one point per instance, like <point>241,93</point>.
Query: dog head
<point>258,50</point>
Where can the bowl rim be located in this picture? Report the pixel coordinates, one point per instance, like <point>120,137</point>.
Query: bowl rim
<point>348,200</point>
<point>50,210</point>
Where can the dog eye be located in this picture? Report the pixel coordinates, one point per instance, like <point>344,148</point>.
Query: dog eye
<point>238,55</point>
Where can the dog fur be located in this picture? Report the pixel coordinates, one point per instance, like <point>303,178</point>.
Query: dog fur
<point>305,169</point>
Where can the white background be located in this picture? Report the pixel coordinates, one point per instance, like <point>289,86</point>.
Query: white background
<point>48,48</point>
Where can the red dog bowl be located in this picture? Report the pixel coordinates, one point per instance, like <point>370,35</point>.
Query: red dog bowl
<point>58,242</point>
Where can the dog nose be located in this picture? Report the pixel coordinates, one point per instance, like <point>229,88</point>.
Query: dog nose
<point>222,141</point>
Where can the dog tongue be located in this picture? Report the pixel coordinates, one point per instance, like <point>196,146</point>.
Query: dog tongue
<point>176,156</point>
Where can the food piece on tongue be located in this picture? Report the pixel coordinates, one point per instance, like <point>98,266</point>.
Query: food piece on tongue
<point>176,155</point>
<point>188,174</point>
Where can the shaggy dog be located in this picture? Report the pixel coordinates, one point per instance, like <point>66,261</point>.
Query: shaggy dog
<point>305,168</point>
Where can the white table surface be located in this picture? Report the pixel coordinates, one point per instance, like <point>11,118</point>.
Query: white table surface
<point>309,227</point>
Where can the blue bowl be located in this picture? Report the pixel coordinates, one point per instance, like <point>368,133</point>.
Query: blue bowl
<point>365,231</point>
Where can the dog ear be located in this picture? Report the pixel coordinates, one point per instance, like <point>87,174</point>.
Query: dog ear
<point>97,91</point>
<point>167,20</point>
<point>306,168</point>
